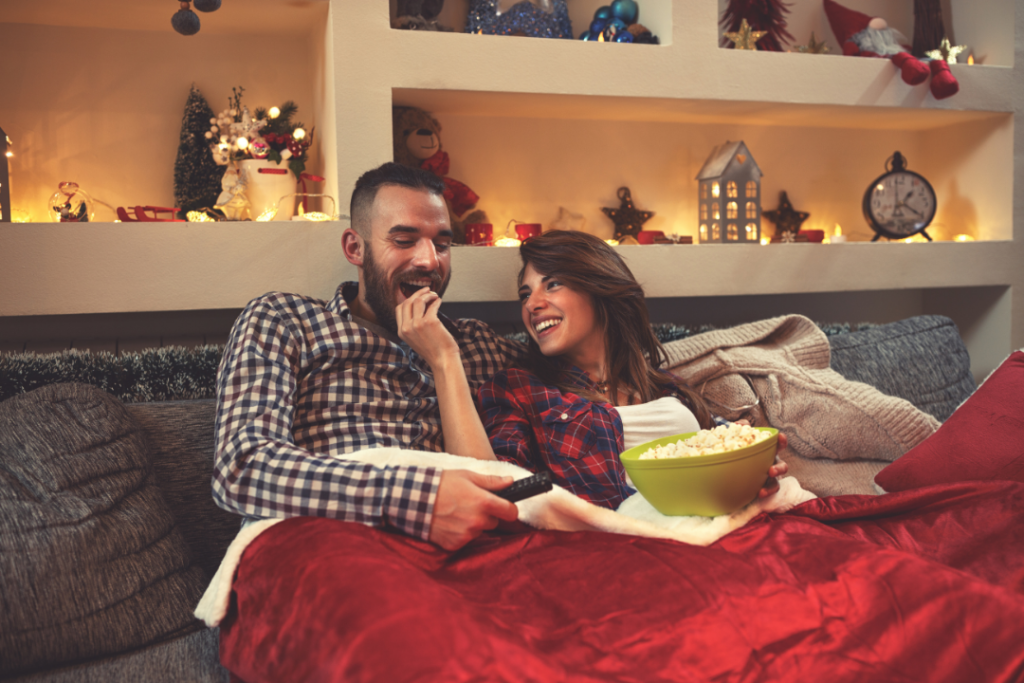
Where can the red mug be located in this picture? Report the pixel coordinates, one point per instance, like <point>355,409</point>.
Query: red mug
<point>479,233</point>
<point>525,231</point>
<point>649,236</point>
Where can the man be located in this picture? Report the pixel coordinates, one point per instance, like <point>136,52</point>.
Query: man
<point>304,381</point>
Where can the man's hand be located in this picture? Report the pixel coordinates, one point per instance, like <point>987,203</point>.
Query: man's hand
<point>464,508</point>
<point>420,328</point>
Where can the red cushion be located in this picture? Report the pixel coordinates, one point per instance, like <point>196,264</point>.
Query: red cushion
<point>982,439</point>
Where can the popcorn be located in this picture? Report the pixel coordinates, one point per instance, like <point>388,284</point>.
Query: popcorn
<point>707,441</point>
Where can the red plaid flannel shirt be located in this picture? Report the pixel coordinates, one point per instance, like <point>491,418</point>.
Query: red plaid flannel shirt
<point>538,427</point>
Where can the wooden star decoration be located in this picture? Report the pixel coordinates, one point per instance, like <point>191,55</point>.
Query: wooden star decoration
<point>629,220</point>
<point>814,47</point>
<point>946,51</point>
<point>746,37</point>
<point>785,218</point>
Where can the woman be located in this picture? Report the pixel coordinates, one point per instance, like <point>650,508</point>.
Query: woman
<point>591,386</point>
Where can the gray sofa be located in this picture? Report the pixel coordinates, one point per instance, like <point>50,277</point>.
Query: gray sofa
<point>108,533</point>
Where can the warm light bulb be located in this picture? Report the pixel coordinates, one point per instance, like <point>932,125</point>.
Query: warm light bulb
<point>242,143</point>
<point>267,215</point>
<point>970,59</point>
<point>312,216</point>
<point>10,154</point>
<point>274,112</point>
<point>963,238</point>
<point>506,242</point>
<point>765,241</point>
<point>613,243</point>
<point>198,217</point>
<point>715,190</point>
<point>298,134</point>
<point>839,229</point>
<point>600,37</point>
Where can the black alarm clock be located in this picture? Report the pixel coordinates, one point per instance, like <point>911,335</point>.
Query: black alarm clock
<point>899,203</point>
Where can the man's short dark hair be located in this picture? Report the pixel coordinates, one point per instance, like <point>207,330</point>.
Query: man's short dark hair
<point>390,173</point>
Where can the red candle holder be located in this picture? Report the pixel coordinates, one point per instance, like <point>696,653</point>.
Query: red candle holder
<point>479,233</point>
<point>649,236</point>
<point>525,231</point>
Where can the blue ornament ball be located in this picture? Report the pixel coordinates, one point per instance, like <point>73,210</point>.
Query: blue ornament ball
<point>206,5</point>
<point>626,10</point>
<point>624,37</point>
<point>185,22</point>
<point>604,12</point>
<point>597,26</point>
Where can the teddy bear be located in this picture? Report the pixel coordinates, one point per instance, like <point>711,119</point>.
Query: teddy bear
<point>417,143</point>
<point>861,35</point>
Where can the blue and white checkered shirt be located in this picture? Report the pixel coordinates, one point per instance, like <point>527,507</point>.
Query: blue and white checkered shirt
<point>301,384</point>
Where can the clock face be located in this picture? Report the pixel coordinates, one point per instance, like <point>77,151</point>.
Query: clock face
<point>900,204</point>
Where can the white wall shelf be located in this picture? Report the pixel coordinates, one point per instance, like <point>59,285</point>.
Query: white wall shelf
<point>535,124</point>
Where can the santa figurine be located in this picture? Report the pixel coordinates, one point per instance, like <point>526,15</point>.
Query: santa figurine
<point>867,36</point>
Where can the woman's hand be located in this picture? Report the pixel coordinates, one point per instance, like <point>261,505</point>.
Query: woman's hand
<point>778,468</point>
<point>420,328</point>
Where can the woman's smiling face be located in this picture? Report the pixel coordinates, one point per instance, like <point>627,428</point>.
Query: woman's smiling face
<point>561,320</point>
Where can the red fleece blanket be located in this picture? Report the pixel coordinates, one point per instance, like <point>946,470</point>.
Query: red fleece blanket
<point>925,585</point>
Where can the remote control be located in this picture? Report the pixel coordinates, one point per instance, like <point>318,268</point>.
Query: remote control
<point>524,488</point>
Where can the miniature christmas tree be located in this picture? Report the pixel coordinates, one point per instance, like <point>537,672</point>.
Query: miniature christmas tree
<point>761,15</point>
<point>196,175</point>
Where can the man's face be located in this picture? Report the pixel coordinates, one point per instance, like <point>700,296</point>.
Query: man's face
<point>409,248</point>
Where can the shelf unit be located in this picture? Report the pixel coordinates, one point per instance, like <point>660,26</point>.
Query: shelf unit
<point>535,124</point>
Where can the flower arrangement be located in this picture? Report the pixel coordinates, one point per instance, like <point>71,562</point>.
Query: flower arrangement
<point>236,134</point>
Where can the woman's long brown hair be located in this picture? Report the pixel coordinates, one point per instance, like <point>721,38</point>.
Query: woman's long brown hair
<point>588,265</point>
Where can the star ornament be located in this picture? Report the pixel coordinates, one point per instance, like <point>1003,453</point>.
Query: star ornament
<point>946,51</point>
<point>814,47</point>
<point>629,220</point>
<point>746,37</point>
<point>786,218</point>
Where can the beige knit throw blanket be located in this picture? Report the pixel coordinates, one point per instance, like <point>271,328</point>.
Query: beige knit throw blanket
<point>784,362</point>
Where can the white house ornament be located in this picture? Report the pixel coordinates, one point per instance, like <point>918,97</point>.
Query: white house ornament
<point>729,196</point>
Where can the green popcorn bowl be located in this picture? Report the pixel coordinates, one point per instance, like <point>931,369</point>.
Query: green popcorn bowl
<point>704,485</point>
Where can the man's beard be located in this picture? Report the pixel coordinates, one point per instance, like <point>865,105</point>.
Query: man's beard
<point>380,291</point>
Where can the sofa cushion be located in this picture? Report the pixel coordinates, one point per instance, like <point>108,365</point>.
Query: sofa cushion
<point>194,658</point>
<point>981,440</point>
<point>179,435</point>
<point>920,359</point>
<point>91,563</point>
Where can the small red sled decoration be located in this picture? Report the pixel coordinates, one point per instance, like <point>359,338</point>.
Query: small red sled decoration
<point>141,215</point>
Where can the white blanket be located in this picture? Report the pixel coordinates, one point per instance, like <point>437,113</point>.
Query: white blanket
<point>557,510</point>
